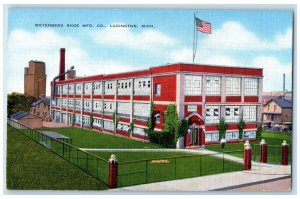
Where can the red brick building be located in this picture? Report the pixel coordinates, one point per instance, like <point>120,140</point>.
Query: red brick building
<point>202,93</point>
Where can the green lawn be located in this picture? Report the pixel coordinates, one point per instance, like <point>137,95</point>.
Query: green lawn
<point>136,167</point>
<point>84,138</point>
<point>31,166</point>
<point>273,139</point>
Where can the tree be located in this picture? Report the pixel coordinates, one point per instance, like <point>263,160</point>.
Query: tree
<point>73,119</point>
<point>222,127</point>
<point>150,122</point>
<point>91,121</point>
<point>171,124</point>
<point>241,127</point>
<point>183,128</point>
<point>115,121</point>
<point>18,102</point>
<point>131,126</point>
<point>259,131</point>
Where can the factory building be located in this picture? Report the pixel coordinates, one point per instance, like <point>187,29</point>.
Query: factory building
<point>203,94</point>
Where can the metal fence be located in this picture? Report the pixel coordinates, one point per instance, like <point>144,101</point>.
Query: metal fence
<point>90,163</point>
<point>171,168</point>
<point>273,154</point>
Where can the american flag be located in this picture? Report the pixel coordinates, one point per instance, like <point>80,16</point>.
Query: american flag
<point>203,26</point>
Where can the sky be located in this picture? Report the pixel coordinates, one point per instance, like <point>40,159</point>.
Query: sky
<point>245,38</point>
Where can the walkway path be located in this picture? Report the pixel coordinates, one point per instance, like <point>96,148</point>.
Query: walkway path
<point>259,174</point>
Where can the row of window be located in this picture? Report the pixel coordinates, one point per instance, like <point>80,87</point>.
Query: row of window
<point>232,114</point>
<point>214,137</point>
<point>193,85</point>
<point>142,86</point>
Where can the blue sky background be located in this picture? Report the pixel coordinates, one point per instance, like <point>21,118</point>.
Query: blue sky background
<point>240,38</point>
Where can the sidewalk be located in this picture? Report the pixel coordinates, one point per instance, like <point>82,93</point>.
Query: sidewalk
<point>258,174</point>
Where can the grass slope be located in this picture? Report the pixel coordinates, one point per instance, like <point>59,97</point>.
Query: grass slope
<point>30,166</point>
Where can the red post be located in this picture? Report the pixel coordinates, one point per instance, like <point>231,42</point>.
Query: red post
<point>247,155</point>
<point>187,139</point>
<point>284,153</point>
<point>113,172</point>
<point>263,151</point>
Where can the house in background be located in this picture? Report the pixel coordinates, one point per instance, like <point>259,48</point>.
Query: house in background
<point>41,108</point>
<point>278,111</point>
<point>27,119</point>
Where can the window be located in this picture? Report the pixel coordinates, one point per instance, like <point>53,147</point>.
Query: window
<point>212,137</point>
<point>249,134</point>
<point>108,107</point>
<point>123,109</point>
<point>213,85</point>
<point>192,108</point>
<point>268,107</point>
<point>78,104</point>
<point>78,119</point>
<point>141,111</point>
<point>142,86</point>
<point>86,121</point>
<point>86,106</point>
<point>157,117</point>
<point>249,113</point>
<point>193,85</point>
<point>97,88</point>
<point>97,122</point>
<point>232,113</point>
<point>123,127</point>
<point>70,103</point>
<point>108,125</point>
<point>138,131</point>
<point>124,87</point>
<point>110,88</point>
<point>212,114</point>
<point>71,89</point>
<point>78,89</point>
<point>233,86</point>
<point>65,89</point>
<point>251,86</point>
<point>275,107</point>
<point>157,89</point>
<point>87,88</point>
<point>232,135</point>
<point>97,106</point>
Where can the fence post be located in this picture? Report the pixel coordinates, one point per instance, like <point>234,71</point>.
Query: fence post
<point>113,172</point>
<point>263,151</point>
<point>284,153</point>
<point>247,156</point>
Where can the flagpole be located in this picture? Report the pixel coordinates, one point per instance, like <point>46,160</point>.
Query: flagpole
<point>195,35</point>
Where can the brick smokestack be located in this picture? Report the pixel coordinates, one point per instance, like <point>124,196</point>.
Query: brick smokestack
<point>62,64</point>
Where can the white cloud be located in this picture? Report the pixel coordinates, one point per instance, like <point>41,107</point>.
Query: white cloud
<point>273,73</point>
<point>149,40</point>
<point>234,36</point>
<point>44,45</point>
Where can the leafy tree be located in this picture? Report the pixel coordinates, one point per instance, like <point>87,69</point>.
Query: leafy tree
<point>171,124</point>
<point>183,128</point>
<point>18,102</point>
<point>150,122</point>
<point>131,126</point>
<point>91,120</point>
<point>222,127</point>
<point>115,121</point>
<point>73,119</point>
<point>241,127</point>
<point>259,131</point>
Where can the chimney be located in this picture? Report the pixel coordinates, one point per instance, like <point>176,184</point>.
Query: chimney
<point>283,83</point>
<point>62,64</point>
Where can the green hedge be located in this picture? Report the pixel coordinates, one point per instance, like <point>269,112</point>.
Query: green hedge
<point>164,139</point>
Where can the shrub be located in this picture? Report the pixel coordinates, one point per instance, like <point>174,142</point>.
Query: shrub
<point>241,127</point>
<point>164,139</point>
<point>259,131</point>
<point>222,127</point>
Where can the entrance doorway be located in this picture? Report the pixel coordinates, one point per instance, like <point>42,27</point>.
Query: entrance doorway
<point>194,136</point>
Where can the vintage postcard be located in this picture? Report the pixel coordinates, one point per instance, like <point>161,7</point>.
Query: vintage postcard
<point>153,100</point>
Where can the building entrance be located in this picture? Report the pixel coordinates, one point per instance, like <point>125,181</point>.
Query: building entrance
<point>194,136</point>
